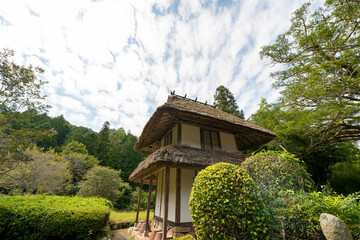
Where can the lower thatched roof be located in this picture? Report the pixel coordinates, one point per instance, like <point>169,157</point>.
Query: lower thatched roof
<point>185,157</point>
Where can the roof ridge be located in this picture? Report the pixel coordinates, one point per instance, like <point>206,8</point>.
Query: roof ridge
<point>173,95</point>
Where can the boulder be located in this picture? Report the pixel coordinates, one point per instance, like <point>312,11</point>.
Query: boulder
<point>334,228</point>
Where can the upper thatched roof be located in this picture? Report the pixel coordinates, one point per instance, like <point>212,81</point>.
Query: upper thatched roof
<point>179,109</point>
<point>185,157</point>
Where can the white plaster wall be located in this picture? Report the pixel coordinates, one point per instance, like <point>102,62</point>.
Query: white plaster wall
<point>158,194</point>
<point>228,142</point>
<point>187,179</point>
<point>190,135</point>
<point>172,195</point>
<point>175,135</point>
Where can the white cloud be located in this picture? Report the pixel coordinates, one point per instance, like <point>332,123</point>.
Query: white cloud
<point>117,60</point>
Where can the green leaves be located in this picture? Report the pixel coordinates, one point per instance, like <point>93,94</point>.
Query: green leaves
<point>225,101</point>
<point>52,217</point>
<point>320,80</point>
<point>222,206</point>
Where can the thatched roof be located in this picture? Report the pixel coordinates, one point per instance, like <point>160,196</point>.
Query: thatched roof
<point>179,109</point>
<point>184,157</point>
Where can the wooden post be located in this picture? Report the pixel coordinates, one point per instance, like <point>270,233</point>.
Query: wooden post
<point>147,225</point>
<point>156,191</point>
<point>166,202</point>
<point>178,197</point>
<point>138,206</point>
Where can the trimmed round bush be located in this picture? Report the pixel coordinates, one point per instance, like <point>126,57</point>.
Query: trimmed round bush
<point>222,206</point>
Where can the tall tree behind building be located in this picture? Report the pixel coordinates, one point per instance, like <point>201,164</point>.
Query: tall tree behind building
<point>225,101</point>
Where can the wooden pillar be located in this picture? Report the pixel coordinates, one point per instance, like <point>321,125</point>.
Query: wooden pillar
<point>166,202</point>
<point>138,206</point>
<point>178,195</point>
<point>147,225</point>
<point>156,190</point>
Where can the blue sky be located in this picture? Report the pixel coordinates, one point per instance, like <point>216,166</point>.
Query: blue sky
<point>117,61</point>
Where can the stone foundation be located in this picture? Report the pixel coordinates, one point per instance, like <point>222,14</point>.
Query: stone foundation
<point>173,231</point>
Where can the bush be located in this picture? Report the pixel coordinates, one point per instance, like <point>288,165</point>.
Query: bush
<point>222,206</point>
<point>291,212</point>
<point>187,237</point>
<point>52,217</point>
<point>101,182</point>
<point>303,212</point>
<point>277,171</point>
<point>345,177</point>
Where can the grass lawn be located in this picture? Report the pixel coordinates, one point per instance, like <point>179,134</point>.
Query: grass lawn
<point>128,216</point>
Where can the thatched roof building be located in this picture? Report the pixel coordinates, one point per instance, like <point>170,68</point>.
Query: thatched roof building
<point>180,109</point>
<point>182,137</point>
<point>181,156</point>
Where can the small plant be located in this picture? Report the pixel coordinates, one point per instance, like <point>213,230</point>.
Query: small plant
<point>222,206</point>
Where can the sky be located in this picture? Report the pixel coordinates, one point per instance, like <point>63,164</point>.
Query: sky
<point>118,60</point>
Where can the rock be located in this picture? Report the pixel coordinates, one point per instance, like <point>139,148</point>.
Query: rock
<point>334,228</point>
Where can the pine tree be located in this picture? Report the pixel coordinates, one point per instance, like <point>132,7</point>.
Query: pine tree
<point>225,101</point>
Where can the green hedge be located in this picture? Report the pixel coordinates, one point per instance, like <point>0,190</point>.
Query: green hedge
<point>52,217</point>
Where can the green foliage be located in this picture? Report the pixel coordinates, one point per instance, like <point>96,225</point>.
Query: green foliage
<point>277,171</point>
<point>101,182</point>
<point>291,212</point>
<point>320,161</point>
<point>19,85</point>
<point>128,158</point>
<point>75,147</point>
<point>345,177</point>
<point>187,237</point>
<point>124,197</point>
<point>320,75</point>
<point>103,147</point>
<point>85,136</point>
<point>41,173</point>
<point>79,164</point>
<point>52,217</point>
<point>300,213</point>
<point>222,206</point>
<point>225,101</point>
<point>143,201</point>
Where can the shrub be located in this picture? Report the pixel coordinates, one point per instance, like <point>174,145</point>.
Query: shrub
<point>52,217</point>
<point>187,237</point>
<point>345,177</point>
<point>101,182</point>
<point>303,211</point>
<point>277,171</point>
<point>222,206</point>
<point>291,212</point>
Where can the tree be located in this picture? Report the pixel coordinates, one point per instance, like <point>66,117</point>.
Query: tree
<point>19,90</point>
<point>42,173</point>
<point>103,148</point>
<point>320,79</point>
<point>19,85</point>
<point>102,182</point>
<point>75,147</point>
<point>129,158</point>
<point>225,101</point>
<point>76,155</point>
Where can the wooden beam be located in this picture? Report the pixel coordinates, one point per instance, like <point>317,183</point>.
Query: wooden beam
<point>147,225</point>
<point>179,134</point>
<point>178,195</point>
<point>166,202</point>
<point>138,206</point>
